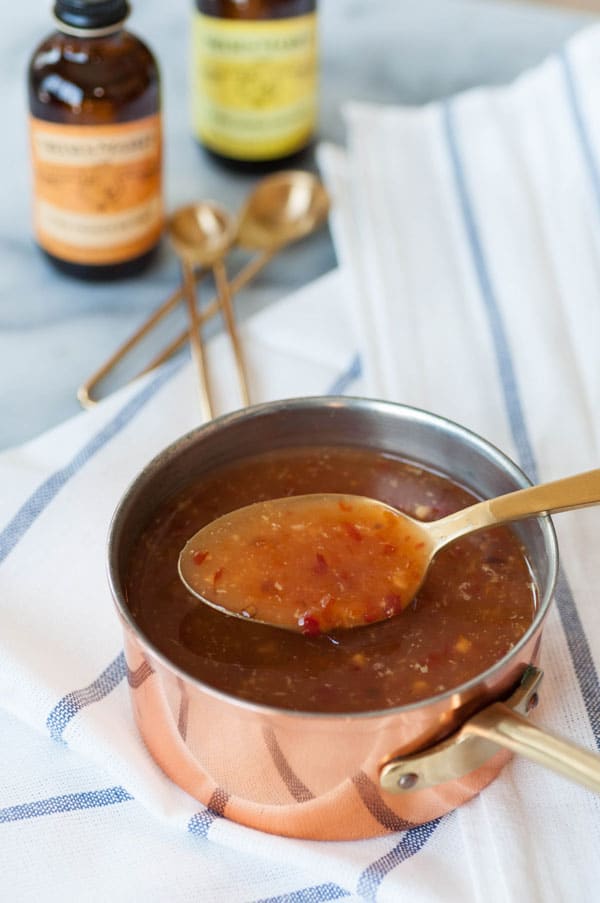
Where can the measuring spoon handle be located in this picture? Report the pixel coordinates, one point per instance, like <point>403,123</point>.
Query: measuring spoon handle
<point>578,491</point>
<point>245,275</point>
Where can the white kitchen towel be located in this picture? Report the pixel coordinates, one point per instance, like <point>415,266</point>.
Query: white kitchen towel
<point>469,233</point>
<point>471,230</point>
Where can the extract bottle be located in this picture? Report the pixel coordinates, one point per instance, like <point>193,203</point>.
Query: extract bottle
<point>96,146</point>
<point>254,78</point>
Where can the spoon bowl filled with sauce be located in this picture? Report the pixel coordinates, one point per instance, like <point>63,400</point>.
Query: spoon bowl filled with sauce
<point>323,562</point>
<point>309,563</point>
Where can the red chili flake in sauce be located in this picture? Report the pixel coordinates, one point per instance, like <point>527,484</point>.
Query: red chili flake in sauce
<point>352,531</point>
<point>310,626</point>
<point>217,576</point>
<point>389,549</point>
<point>199,557</point>
<point>393,603</point>
<point>320,566</point>
<point>344,506</point>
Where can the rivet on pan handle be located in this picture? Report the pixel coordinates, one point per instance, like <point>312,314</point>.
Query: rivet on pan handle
<point>500,725</point>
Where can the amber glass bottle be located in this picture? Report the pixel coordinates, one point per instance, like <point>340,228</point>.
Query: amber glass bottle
<point>94,101</point>
<point>254,78</point>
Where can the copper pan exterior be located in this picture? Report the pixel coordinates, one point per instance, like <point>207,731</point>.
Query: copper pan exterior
<point>301,774</point>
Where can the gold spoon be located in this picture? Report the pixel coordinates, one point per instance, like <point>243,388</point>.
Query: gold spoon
<point>201,235</point>
<point>316,563</point>
<point>282,208</point>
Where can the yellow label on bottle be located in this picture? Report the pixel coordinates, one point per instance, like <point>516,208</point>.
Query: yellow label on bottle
<point>97,196</point>
<point>254,85</point>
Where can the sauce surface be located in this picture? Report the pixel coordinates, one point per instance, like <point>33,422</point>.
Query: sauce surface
<point>310,563</point>
<point>477,601</point>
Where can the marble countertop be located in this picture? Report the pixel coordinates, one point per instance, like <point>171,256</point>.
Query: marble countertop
<point>54,331</point>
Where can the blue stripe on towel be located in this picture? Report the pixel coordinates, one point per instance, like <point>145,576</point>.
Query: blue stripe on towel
<point>74,702</point>
<point>18,526</point>
<point>501,345</point>
<point>579,649</point>
<point>315,894</point>
<point>200,822</point>
<point>410,843</point>
<point>69,802</point>
<point>345,379</point>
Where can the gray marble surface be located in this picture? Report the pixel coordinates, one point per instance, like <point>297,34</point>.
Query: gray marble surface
<point>54,330</point>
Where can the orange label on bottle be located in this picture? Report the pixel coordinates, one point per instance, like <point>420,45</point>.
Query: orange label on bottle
<point>97,196</point>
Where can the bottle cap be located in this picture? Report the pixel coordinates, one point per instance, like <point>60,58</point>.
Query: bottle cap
<point>90,15</point>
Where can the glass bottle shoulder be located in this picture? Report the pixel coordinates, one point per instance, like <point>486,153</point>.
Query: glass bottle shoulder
<point>113,78</point>
<point>255,9</point>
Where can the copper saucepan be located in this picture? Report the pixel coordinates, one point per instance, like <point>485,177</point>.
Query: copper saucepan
<point>339,776</point>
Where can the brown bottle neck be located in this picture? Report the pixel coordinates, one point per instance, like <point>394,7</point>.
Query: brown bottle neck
<point>255,9</point>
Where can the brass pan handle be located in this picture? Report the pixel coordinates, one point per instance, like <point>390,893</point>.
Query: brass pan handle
<point>499,725</point>
<point>506,728</point>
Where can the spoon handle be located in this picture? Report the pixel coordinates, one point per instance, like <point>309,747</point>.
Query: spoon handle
<point>224,296</point>
<point>85,390</point>
<point>245,275</point>
<point>197,347</point>
<point>578,491</point>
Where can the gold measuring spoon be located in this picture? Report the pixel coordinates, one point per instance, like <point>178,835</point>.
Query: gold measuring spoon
<point>316,563</point>
<point>201,235</point>
<point>282,208</point>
